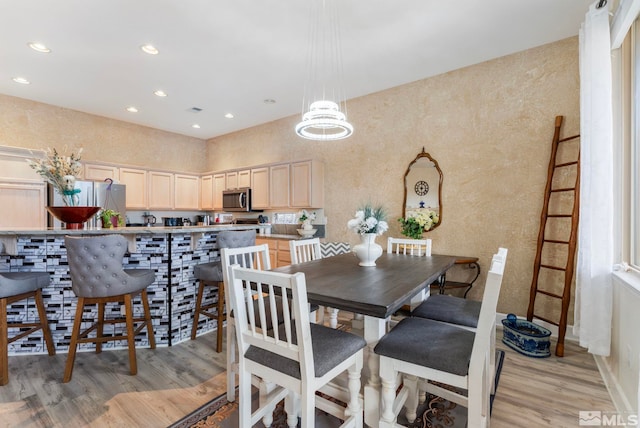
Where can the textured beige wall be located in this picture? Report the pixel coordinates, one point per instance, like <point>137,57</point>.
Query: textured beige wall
<point>35,125</point>
<point>489,126</point>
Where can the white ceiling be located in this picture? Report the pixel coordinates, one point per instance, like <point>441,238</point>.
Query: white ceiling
<point>230,55</point>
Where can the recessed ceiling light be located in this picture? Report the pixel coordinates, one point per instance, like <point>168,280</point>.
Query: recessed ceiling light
<point>229,116</point>
<point>150,49</point>
<point>132,109</point>
<point>195,125</point>
<point>39,47</point>
<point>21,80</point>
<point>160,93</point>
<point>269,101</point>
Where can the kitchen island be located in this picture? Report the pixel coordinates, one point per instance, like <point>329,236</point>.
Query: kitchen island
<point>172,252</point>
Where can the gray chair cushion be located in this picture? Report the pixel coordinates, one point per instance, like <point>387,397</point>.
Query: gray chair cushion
<point>14,283</point>
<point>330,348</point>
<point>210,272</point>
<point>95,266</point>
<point>451,309</point>
<point>430,344</point>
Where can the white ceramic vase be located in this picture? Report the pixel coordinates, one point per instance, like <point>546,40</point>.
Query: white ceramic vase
<point>367,250</point>
<point>306,225</point>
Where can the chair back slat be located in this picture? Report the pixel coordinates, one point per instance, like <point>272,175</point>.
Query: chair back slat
<point>413,247</point>
<point>287,324</point>
<point>304,250</point>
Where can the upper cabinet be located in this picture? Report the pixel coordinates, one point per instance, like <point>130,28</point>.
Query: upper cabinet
<point>29,197</point>
<point>231,180</point>
<point>279,186</point>
<point>187,192</point>
<point>97,172</point>
<point>260,188</point>
<point>137,190</point>
<point>161,190</point>
<point>219,185</point>
<point>244,178</point>
<point>206,192</point>
<point>307,184</point>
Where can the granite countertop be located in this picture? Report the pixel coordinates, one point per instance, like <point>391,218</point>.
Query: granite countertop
<point>125,230</point>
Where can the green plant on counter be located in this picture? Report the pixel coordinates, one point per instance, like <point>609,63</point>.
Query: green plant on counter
<point>107,215</point>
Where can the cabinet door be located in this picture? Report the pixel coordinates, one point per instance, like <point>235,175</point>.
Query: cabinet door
<point>206,192</point>
<point>136,182</point>
<point>307,184</point>
<point>284,254</point>
<point>244,178</point>
<point>97,172</point>
<point>260,188</point>
<point>232,180</point>
<point>187,193</point>
<point>279,186</point>
<point>219,185</point>
<point>161,190</point>
<point>23,205</point>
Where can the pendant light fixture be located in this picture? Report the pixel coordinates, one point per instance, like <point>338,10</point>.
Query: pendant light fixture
<point>324,104</point>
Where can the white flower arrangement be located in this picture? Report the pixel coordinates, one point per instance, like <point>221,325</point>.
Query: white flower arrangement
<point>418,221</point>
<point>61,171</point>
<point>305,215</point>
<point>369,220</point>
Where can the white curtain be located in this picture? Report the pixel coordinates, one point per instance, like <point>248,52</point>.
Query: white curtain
<point>592,318</point>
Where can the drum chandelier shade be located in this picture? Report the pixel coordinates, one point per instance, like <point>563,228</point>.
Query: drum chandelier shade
<point>324,105</point>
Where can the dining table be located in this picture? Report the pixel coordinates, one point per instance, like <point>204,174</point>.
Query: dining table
<point>375,292</point>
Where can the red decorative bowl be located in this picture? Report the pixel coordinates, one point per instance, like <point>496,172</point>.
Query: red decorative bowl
<point>73,217</point>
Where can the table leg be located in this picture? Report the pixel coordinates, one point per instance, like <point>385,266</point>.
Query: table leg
<point>374,329</point>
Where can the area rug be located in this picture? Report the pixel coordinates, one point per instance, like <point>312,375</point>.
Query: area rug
<point>435,412</point>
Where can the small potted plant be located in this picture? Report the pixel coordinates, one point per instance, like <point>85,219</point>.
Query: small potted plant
<point>111,218</point>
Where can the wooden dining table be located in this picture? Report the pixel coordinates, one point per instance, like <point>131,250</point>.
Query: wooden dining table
<point>376,292</point>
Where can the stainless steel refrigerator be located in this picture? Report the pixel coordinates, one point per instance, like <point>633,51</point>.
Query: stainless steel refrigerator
<point>92,194</point>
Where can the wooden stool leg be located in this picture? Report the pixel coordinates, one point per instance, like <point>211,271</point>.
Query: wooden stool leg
<point>196,315</point>
<point>221,317</point>
<point>128,310</point>
<point>4,344</point>
<point>100,326</point>
<point>147,319</point>
<point>74,341</point>
<point>42,314</point>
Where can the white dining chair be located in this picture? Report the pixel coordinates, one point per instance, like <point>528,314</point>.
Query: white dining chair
<point>413,247</point>
<point>458,311</point>
<point>294,357</point>
<point>442,353</point>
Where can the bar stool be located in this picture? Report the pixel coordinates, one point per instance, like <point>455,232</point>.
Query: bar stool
<point>210,274</point>
<point>16,286</point>
<point>98,277</point>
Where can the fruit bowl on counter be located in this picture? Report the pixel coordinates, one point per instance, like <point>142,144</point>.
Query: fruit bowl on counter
<point>73,217</point>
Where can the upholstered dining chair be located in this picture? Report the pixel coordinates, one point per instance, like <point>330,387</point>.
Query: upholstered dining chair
<point>295,357</point>
<point>14,287</point>
<point>98,277</point>
<point>465,364</point>
<point>210,274</point>
<point>458,311</point>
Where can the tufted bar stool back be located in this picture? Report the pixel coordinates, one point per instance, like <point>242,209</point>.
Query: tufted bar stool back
<point>98,277</point>
<point>14,287</point>
<point>210,274</point>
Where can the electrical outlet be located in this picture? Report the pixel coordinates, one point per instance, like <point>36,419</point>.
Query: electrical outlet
<point>123,311</point>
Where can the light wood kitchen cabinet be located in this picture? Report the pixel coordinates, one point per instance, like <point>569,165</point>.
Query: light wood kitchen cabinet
<point>231,180</point>
<point>136,182</point>
<point>260,188</point>
<point>161,190</point>
<point>23,204</point>
<point>307,184</point>
<point>97,172</point>
<point>279,254</point>
<point>187,192</point>
<point>206,192</point>
<point>279,186</point>
<point>219,185</point>
<point>244,178</point>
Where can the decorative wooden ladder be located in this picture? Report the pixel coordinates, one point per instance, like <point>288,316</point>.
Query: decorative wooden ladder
<point>556,251</point>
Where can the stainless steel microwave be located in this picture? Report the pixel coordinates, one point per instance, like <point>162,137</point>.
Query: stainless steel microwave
<point>237,199</point>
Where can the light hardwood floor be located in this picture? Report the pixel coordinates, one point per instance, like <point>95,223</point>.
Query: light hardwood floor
<point>171,382</point>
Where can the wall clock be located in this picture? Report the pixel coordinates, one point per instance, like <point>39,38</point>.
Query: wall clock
<point>421,188</point>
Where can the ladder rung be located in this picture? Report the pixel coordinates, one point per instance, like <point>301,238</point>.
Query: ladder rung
<point>559,215</point>
<point>553,267</point>
<point>546,320</point>
<point>560,165</point>
<point>564,189</point>
<point>568,138</point>
<point>557,296</point>
<point>556,241</point>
